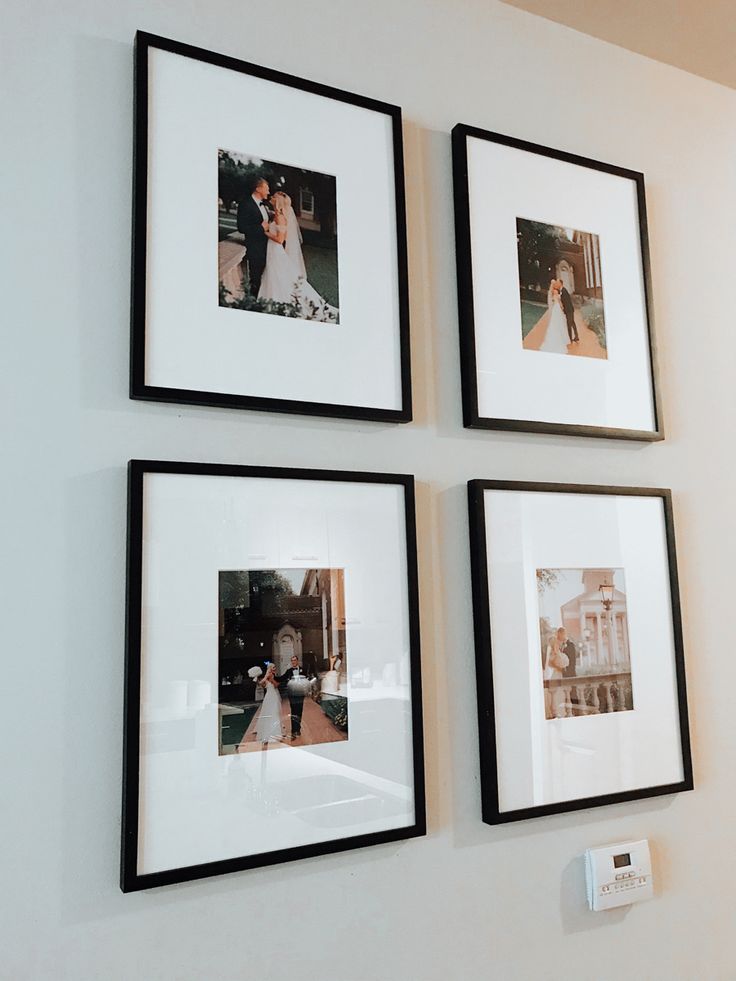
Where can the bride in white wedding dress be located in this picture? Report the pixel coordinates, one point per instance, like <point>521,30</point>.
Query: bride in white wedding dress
<point>268,727</point>
<point>285,276</point>
<point>556,339</point>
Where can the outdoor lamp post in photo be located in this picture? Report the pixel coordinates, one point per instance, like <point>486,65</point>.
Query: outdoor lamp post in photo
<point>606,591</point>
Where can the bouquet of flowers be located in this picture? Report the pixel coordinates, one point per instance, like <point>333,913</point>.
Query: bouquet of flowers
<point>255,673</point>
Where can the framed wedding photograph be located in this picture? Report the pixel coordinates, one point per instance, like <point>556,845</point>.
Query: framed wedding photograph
<point>269,240</point>
<point>554,291</point>
<point>273,706</point>
<point>578,642</point>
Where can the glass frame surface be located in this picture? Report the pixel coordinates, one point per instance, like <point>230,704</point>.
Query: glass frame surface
<point>472,326</point>
<point>143,286</point>
<point>492,711</point>
<point>139,528</point>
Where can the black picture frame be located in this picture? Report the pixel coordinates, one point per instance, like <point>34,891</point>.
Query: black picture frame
<point>130,879</point>
<point>138,387</point>
<point>472,419</point>
<point>487,708</point>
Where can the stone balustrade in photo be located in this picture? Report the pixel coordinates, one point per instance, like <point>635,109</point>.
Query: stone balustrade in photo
<point>591,695</point>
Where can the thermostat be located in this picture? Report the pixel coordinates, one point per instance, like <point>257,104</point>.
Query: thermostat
<point>618,875</point>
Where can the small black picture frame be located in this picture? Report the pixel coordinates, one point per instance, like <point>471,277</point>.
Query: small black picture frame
<point>493,308</point>
<point>168,744</point>
<point>506,651</point>
<point>183,343</point>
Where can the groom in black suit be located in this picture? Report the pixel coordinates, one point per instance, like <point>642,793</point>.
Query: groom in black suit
<point>296,699</point>
<point>252,212</point>
<point>569,311</point>
<point>568,648</point>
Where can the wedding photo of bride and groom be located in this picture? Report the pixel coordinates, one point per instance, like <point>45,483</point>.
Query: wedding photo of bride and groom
<point>561,290</point>
<point>277,239</point>
<point>282,659</point>
<point>584,635</point>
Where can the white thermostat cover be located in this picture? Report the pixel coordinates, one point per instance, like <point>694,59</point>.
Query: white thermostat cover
<point>618,874</point>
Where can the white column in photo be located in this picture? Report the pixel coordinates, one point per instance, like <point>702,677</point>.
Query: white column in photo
<point>612,645</point>
<point>334,612</point>
<point>620,634</point>
<point>325,640</point>
<point>621,697</point>
<point>624,638</point>
<point>608,705</point>
<point>597,281</point>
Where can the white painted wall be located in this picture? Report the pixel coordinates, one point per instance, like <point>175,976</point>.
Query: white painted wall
<point>469,901</point>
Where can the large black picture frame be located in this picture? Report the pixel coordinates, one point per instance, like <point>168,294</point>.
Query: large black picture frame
<point>490,711</point>
<point>469,326</point>
<point>130,878</point>
<point>139,387</point>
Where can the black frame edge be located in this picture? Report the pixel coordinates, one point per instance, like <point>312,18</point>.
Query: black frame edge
<point>464,269</point>
<point>139,204</point>
<point>132,683</point>
<point>149,40</point>
<point>483,663</point>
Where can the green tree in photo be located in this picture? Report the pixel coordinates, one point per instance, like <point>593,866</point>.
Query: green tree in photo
<point>547,579</point>
<point>534,239</point>
<point>236,587</point>
<point>234,177</point>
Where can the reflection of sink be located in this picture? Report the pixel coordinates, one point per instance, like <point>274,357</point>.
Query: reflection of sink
<point>333,802</point>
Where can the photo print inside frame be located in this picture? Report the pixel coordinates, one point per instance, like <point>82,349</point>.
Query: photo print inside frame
<point>282,659</point>
<point>277,238</point>
<point>561,290</point>
<point>584,642</point>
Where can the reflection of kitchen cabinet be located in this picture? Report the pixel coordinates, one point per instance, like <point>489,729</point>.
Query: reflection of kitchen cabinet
<point>378,719</point>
